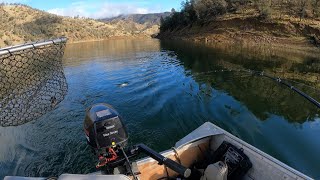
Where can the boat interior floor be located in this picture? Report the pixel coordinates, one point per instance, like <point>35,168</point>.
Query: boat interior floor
<point>203,157</point>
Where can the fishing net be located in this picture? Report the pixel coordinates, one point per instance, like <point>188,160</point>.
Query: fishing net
<point>32,81</point>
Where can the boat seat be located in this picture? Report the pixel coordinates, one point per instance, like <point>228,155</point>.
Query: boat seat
<point>216,171</point>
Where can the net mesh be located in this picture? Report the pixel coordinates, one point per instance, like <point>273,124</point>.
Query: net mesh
<point>32,82</point>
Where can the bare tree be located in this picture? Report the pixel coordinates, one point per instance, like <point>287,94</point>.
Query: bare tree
<point>302,8</point>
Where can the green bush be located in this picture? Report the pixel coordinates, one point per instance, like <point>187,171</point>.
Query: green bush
<point>265,12</point>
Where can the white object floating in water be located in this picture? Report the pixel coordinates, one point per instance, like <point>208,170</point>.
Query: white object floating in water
<point>123,84</point>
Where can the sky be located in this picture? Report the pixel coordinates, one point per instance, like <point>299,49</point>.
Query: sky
<point>100,8</point>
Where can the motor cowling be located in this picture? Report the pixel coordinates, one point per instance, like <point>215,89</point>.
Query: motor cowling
<point>104,128</point>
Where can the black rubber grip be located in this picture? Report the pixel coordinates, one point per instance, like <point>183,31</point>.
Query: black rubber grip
<point>185,172</point>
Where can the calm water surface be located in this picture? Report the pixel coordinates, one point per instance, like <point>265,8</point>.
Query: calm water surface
<point>164,90</point>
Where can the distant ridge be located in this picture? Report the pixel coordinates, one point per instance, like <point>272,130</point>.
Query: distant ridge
<point>149,19</point>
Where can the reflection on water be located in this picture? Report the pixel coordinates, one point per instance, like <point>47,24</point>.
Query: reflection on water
<point>261,95</point>
<point>107,50</point>
<point>164,90</point>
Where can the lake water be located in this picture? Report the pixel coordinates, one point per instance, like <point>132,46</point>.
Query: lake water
<point>166,89</point>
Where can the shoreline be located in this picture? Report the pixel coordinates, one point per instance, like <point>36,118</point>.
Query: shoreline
<point>110,38</point>
<point>92,40</point>
<point>294,43</point>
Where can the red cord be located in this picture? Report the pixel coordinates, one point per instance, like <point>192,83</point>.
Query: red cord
<point>104,161</point>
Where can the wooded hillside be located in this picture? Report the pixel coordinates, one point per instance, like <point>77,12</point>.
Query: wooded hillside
<point>260,18</point>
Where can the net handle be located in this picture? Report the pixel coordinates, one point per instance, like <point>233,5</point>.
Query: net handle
<point>12,49</point>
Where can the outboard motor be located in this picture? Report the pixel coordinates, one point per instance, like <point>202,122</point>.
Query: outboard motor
<point>107,135</point>
<point>105,132</point>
